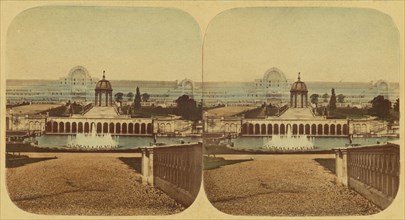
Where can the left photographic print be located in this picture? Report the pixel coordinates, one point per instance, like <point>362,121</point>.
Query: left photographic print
<point>104,110</point>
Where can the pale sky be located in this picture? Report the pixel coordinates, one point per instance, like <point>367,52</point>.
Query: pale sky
<point>324,44</point>
<point>128,43</point>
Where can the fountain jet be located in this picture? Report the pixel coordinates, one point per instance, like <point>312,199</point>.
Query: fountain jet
<point>92,140</point>
<point>289,142</point>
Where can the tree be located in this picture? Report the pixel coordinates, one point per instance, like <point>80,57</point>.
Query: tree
<point>341,98</point>
<point>130,95</point>
<point>314,99</point>
<point>145,97</point>
<point>380,107</point>
<point>325,112</point>
<point>325,97</point>
<point>332,101</point>
<point>396,105</point>
<point>119,96</point>
<point>137,101</point>
<point>187,108</point>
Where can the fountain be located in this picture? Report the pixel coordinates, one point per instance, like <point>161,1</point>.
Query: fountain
<point>92,141</point>
<point>289,142</point>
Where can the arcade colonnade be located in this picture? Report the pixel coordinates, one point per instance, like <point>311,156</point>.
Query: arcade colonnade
<point>36,125</point>
<point>149,126</point>
<point>313,128</point>
<point>121,127</point>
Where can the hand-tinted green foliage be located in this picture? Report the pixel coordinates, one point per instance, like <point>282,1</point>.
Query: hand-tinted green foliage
<point>119,96</point>
<point>145,97</point>
<point>314,99</point>
<point>332,101</point>
<point>380,107</point>
<point>396,105</point>
<point>341,98</point>
<point>187,108</point>
<point>325,97</point>
<point>130,96</point>
<point>348,112</point>
<point>137,101</point>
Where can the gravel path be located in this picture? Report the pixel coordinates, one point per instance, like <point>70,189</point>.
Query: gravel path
<point>85,184</point>
<point>282,185</point>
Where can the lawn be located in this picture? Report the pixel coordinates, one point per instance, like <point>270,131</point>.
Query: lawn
<point>230,110</point>
<point>33,108</point>
<point>348,113</point>
<point>150,111</point>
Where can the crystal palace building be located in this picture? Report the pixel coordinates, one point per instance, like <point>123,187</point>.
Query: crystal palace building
<point>274,87</point>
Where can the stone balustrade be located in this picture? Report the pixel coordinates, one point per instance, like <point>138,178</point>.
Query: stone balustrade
<point>175,169</point>
<point>373,171</point>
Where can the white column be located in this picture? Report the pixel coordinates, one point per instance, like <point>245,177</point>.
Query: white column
<point>144,166</point>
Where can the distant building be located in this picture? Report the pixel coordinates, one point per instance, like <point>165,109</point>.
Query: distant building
<point>299,118</point>
<point>273,87</point>
<point>103,116</point>
<point>78,86</point>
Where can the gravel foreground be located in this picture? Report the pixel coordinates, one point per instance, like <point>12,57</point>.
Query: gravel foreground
<point>85,184</point>
<point>282,185</point>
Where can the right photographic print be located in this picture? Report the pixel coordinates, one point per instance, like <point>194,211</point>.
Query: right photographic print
<point>301,111</point>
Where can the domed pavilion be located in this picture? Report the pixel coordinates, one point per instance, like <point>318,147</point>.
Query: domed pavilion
<point>103,87</point>
<point>299,89</point>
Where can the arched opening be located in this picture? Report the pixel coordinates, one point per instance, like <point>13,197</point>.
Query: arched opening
<point>307,129</point>
<point>67,127</point>
<point>168,128</point>
<point>105,128</point>
<point>356,128</point>
<point>244,129</point>
<point>275,128</point>
<point>326,129</point>
<point>263,129</point>
<point>363,128</point>
<point>345,131</point>
<point>332,129</point>
<point>282,129</point>
<point>55,127</point>
<point>37,126</point>
<point>269,129</point>
<point>118,128</point>
<point>99,129</point>
<point>313,129</point>
<point>86,127</point>
<point>124,128</point>
<point>130,128</point>
<point>295,129</point>
<point>137,128</point>
<point>320,129</point>
<point>61,127</point>
<point>112,128</point>
<point>250,129</point>
<point>301,129</point>
<point>339,129</point>
<point>80,127</point>
<point>227,128</point>
<point>149,128</point>
<point>143,128</point>
<point>74,127</point>
<point>161,128</point>
<point>257,129</point>
<point>48,127</point>
<point>233,128</point>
